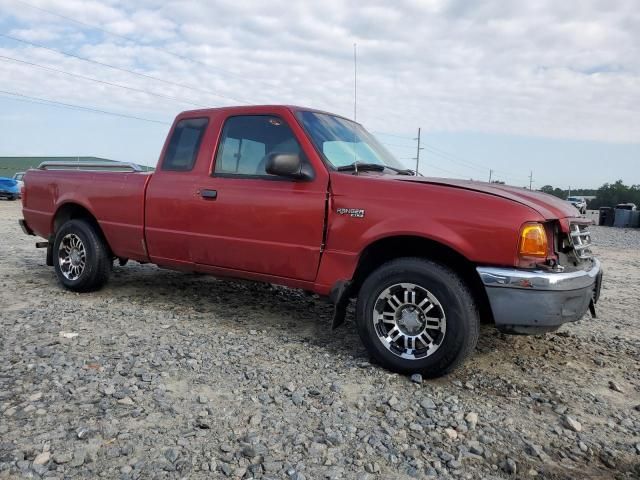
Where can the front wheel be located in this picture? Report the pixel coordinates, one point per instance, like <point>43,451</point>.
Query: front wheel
<point>80,257</point>
<point>417,316</point>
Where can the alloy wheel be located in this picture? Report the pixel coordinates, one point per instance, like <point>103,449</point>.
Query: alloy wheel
<point>409,321</point>
<point>72,256</point>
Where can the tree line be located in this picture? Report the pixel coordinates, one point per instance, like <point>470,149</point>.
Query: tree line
<point>608,195</point>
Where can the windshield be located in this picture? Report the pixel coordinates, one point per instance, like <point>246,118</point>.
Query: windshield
<point>574,199</point>
<point>343,142</point>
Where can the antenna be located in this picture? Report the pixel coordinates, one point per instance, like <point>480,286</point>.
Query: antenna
<point>355,81</point>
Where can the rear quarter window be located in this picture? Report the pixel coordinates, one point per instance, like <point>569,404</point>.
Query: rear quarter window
<point>184,144</point>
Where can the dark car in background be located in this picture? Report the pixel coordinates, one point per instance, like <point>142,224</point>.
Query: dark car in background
<point>9,188</point>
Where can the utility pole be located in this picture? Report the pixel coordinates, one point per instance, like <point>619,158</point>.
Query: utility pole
<point>490,175</point>
<point>530,180</point>
<point>569,191</point>
<point>417,159</point>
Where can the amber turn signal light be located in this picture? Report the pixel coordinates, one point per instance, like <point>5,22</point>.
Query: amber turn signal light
<point>533,240</point>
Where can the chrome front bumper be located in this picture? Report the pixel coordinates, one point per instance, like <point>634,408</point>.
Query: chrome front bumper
<point>536,301</point>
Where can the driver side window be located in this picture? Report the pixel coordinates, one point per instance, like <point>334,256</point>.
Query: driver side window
<point>247,141</point>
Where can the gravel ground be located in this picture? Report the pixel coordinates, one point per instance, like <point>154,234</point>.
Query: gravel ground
<point>168,375</point>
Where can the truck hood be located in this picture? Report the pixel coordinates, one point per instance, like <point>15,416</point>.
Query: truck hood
<point>547,206</point>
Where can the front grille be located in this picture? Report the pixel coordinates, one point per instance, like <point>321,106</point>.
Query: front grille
<point>581,241</point>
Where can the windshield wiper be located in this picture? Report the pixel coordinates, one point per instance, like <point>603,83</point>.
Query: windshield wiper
<point>372,167</point>
<point>401,171</point>
<point>355,166</point>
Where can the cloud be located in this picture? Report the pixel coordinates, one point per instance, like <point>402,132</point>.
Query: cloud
<point>547,68</point>
<point>36,34</point>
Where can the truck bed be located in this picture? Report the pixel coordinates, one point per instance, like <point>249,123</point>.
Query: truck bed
<point>115,199</point>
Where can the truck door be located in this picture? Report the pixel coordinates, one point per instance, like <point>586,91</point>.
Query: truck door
<point>169,198</point>
<point>251,221</point>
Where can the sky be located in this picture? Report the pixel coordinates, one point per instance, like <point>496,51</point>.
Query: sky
<point>543,88</point>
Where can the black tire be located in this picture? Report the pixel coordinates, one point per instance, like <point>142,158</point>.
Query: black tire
<point>461,313</point>
<point>98,261</point>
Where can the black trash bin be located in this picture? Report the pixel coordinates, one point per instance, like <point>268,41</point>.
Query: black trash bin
<point>606,217</point>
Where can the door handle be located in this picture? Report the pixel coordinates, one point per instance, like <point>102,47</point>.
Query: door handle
<point>209,194</point>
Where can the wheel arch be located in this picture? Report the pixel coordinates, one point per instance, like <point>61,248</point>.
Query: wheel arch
<point>389,248</point>
<point>75,211</point>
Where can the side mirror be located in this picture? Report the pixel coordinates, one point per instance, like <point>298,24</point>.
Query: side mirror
<point>288,165</point>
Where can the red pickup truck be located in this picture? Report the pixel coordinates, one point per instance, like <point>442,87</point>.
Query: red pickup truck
<point>311,200</point>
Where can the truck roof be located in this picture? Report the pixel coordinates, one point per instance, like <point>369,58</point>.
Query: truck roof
<point>251,108</point>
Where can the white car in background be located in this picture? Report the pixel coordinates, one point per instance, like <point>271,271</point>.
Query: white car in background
<point>18,177</point>
<point>578,202</point>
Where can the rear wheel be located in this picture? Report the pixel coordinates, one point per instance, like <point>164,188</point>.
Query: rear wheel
<point>80,256</point>
<point>415,315</point>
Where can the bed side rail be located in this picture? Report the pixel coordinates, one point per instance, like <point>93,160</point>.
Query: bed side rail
<point>91,166</point>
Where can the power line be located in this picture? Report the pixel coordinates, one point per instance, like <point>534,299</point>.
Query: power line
<point>477,165</point>
<point>471,165</point>
<point>452,160</point>
<point>130,39</point>
<point>104,82</point>
<point>169,52</point>
<point>122,69</point>
<point>456,159</point>
<point>189,59</point>
<point>396,145</point>
<point>436,151</point>
<point>26,100</point>
<point>393,135</point>
<point>450,172</point>
<point>443,156</point>
<point>46,101</point>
